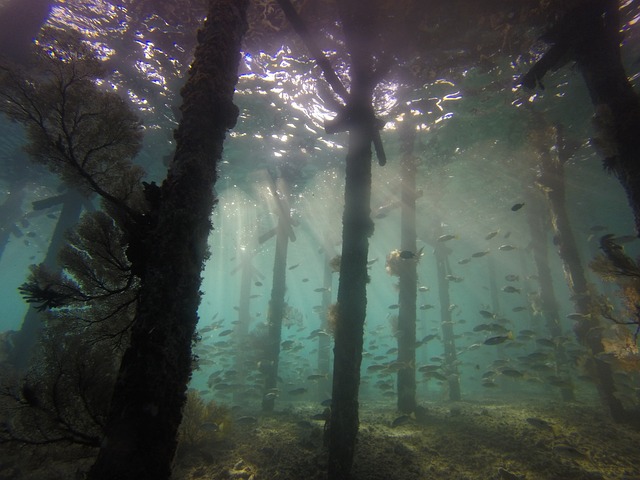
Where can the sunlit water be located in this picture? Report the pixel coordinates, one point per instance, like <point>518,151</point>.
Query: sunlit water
<point>473,168</point>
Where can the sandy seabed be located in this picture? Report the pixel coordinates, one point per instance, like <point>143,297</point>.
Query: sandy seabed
<point>456,441</point>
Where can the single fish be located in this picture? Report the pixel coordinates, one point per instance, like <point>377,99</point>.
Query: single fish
<point>210,427</point>
<point>539,423</point>
<point>569,451</point>
<point>298,391</point>
<point>535,357</point>
<point>384,210</point>
<point>517,207</point>
<point>506,248</point>
<point>322,416</point>
<point>317,333</point>
<point>376,367</point>
<point>491,235</point>
<point>510,289</point>
<point>429,368</point>
<point>401,420</point>
<point>447,237</point>
<point>246,420</point>
<point>436,375</point>
<point>499,339</point>
<point>545,342</point>
<point>504,474</point>
<point>408,255</point>
<point>397,366</point>
<point>480,254</point>
<point>453,278</point>
<point>428,338</point>
<point>287,344</point>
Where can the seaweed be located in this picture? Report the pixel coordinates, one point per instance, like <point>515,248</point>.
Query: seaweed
<point>203,424</point>
<point>614,265</point>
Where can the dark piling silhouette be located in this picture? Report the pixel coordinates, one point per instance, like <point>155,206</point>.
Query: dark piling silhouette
<point>407,275</point>
<point>590,35</point>
<point>150,391</point>
<point>324,339</point>
<point>358,118</point>
<point>539,225</point>
<point>553,154</point>
<point>27,337</point>
<point>448,337</point>
<point>277,304</point>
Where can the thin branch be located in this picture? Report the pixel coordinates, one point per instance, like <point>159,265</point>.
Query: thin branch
<point>333,80</point>
<point>315,50</point>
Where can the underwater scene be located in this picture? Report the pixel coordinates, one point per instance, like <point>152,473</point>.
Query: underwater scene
<point>309,239</point>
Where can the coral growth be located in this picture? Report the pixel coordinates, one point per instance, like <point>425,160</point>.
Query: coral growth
<point>65,395</point>
<point>615,266</point>
<point>292,317</point>
<point>621,347</point>
<point>332,318</point>
<point>203,424</point>
<point>393,263</point>
<point>335,262</point>
<point>396,260</point>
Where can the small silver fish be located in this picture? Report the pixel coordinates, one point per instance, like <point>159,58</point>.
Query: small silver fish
<point>447,237</point>
<point>510,289</point>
